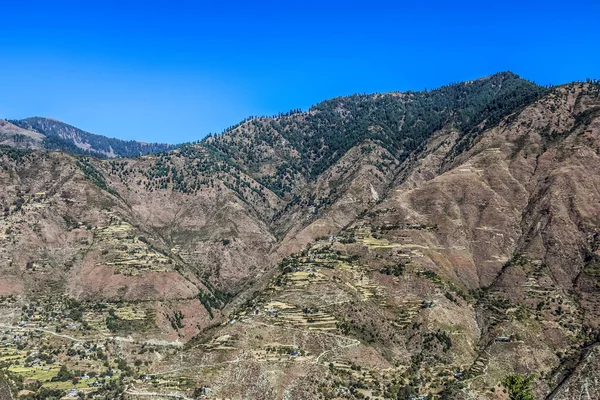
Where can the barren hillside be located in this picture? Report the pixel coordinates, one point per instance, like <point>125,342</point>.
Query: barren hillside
<point>440,243</point>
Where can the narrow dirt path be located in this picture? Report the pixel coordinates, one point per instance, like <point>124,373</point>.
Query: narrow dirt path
<point>44,331</point>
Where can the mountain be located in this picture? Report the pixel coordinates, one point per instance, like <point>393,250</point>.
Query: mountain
<point>46,133</point>
<point>14,136</point>
<point>400,245</point>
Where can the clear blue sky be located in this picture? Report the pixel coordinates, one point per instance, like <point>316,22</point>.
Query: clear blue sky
<point>174,71</point>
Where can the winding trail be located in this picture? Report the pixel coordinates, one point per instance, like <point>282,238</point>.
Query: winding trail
<point>26,328</point>
<point>153,342</point>
<point>354,342</point>
<point>317,360</point>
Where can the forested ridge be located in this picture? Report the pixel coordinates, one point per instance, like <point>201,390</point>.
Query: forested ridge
<point>306,144</point>
<point>284,152</point>
<point>64,137</point>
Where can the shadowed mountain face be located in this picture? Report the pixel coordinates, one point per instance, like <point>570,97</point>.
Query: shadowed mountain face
<point>382,246</point>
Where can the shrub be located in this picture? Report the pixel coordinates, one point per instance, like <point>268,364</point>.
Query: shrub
<point>519,387</point>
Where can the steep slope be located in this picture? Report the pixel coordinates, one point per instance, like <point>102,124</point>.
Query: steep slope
<point>68,230</point>
<point>14,136</point>
<point>60,136</point>
<point>285,151</point>
<point>386,246</point>
<point>448,286</point>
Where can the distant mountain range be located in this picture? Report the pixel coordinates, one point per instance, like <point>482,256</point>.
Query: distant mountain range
<point>47,133</point>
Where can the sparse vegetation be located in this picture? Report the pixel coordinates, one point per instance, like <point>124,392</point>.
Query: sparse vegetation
<point>175,283</point>
<point>396,269</point>
<point>94,175</point>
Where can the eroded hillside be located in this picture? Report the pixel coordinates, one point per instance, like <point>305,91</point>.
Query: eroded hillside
<point>387,246</point>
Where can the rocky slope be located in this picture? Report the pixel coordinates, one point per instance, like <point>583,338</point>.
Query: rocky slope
<point>14,136</point>
<point>454,282</point>
<point>388,246</point>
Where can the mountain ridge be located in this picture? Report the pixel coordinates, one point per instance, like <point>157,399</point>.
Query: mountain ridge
<point>335,256</point>
<point>61,136</point>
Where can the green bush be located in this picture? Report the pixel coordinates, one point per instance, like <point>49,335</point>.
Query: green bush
<point>519,387</point>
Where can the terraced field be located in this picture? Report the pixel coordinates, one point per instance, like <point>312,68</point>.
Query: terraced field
<point>127,253</point>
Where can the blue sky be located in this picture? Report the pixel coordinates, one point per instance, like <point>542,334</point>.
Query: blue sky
<point>174,71</point>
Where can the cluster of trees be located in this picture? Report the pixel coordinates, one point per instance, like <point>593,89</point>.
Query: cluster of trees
<point>592,81</point>
<point>13,154</point>
<point>176,320</point>
<point>442,337</point>
<point>520,387</point>
<point>214,298</point>
<point>254,117</point>
<point>95,176</point>
<point>395,270</point>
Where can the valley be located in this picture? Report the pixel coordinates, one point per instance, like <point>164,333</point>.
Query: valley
<point>432,245</point>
